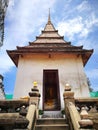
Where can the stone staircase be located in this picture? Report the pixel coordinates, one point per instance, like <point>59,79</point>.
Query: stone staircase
<point>51,124</point>
<point>52,114</point>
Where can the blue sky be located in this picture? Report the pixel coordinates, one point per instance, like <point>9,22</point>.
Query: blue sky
<point>76,20</point>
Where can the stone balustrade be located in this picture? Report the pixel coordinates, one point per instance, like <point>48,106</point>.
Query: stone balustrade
<point>20,114</point>
<point>76,120</point>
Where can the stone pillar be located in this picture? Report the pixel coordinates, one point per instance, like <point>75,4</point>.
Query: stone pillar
<point>68,94</point>
<point>85,122</point>
<point>68,97</point>
<point>35,97</point>
<point>84,113</point>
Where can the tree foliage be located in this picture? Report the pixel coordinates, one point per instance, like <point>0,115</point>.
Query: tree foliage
<point>89,85</point>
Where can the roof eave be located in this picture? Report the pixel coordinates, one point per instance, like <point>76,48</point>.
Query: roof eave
<point>86,55</point>
<point>14,57</point>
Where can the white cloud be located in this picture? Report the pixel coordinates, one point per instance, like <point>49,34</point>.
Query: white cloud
<point>80,26</point>
<point>70,27</point>
<point>92,20</point>
<point>11,2</point>
<point>93,73</point>
<point>5,63</point>
<point>84,6</point>
<point>25,17</point>
<point>89,24</point>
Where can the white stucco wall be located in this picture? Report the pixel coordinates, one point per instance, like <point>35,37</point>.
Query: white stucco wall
<point>70,69</point>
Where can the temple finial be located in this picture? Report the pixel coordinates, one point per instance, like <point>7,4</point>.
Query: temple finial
<point>49,20</point>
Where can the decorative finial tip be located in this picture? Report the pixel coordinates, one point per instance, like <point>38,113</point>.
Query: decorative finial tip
<point>35,84</point>
<point>49,20</point>
<point>67,87</point>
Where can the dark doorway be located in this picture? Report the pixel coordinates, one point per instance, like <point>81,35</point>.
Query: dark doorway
<point>51,92</point>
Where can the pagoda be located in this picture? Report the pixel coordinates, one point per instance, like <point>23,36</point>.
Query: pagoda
<point>52,62</point>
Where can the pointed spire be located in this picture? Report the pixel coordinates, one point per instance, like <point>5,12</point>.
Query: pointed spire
<point>49,20</point>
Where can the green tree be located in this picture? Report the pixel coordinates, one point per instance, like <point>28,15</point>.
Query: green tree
<point>89,85</point>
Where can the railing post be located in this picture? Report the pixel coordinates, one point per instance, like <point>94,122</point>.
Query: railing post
<point>85,122</point>
<point>33,106</point>
<point>35,97</point>
<point>68,96</point>
<point>76,121</point>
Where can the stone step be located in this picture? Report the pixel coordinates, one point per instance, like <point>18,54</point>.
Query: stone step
<point>51,124</point>
<point>52,114</point>
<point>52,127</point>
<point>50,121</point>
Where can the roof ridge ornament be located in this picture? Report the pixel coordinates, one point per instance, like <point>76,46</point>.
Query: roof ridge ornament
<point>49,19</point>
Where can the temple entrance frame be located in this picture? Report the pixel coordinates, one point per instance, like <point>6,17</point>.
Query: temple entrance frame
<point>51,93</point>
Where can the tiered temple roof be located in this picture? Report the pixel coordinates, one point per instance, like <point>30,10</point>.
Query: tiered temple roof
<point>48,42</point>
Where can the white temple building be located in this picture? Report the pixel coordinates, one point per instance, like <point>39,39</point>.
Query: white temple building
<point>52,62</point>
